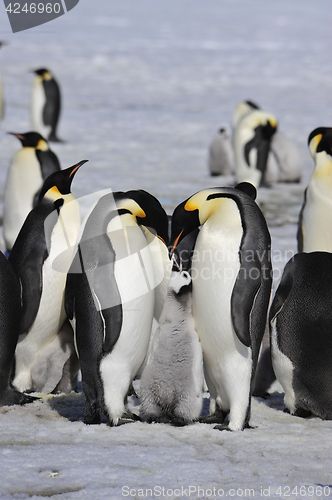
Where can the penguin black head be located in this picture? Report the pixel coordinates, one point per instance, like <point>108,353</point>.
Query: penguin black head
<point>32,140</point>
<point>148,211</point>
<point>59,183</point>
<point>320,140</point>
<point>43,72</point>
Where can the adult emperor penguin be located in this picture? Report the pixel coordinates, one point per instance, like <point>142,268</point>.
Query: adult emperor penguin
<point>171,387</point>
<point>315,220</point>
<point>231,273</point>
<point>2,101</point>
<point>110,297</point>
<point>45,104</point>
<point>10,316</point>
<point>301,342</point>
<point>252,136</point>
<point>221,158</point>
<point>29,168</point>
<point>49,231</point>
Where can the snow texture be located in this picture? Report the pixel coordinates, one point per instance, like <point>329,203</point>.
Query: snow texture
<point>146,84</point>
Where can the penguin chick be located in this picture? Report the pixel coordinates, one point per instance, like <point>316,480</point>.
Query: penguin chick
<point>29,168</point>
<point>221,158</point>
<point>172,381</point>
<point>45,104</point>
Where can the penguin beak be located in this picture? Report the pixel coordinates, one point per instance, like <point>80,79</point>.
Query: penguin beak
<point>19,136</point>
<point>176,242</point>
<point>76,167</point>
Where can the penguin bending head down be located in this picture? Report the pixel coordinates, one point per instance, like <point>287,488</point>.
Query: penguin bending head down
<point>231,281</point>
<point>300,329</point>
<point>45,104</point>
<point>110,297</point>
<point>49,232</point>
<point>315,219</point>
<point>172,380</point>
<point>29,168</point>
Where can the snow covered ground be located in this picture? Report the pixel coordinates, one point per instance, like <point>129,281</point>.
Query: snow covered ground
<point>145,86</point>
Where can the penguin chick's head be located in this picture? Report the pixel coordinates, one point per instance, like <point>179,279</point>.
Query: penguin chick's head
<point>59,183</point>
<point>44,73</point>
<point>32,140</point>
<point>196,210</point>
<point>320,140</point>
<point>146,209</point>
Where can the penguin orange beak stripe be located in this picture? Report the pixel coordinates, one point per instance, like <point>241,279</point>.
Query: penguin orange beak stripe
<point>176,241</point>
<point>19,136</point>
<point>161,239</point>
<point>77,167</point>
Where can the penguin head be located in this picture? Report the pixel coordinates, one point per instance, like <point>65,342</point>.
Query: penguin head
<point>32,140</point>
<point>146,209</point>
<point>197,209</point>
<point>241,109</point>
<point>43,73</point>
<point>320,141</point>
<point>58,184</point>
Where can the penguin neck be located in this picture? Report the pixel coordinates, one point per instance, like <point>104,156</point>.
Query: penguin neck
<point>323,169</point>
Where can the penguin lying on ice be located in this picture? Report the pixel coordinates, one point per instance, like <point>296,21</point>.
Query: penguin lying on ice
<point>29,168</point>
<point>45,105</point>
<point>10,316</point>
<point>231,280</point>
<point>110,297</point>
<point>172,380</point>
<point>301,340</point>
<point>49,231</point>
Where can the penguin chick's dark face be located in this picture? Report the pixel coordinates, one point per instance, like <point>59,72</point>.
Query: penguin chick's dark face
<point>149,212</point>
<point>320,140</point>
<point>60,182</point>
<point>32,140</point>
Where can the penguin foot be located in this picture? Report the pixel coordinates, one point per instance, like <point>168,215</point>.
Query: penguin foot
<point>217,418</point>
<point>13,397</point>
<point>222,427</point>
<point>92,414</point>
<point>299,412</point>
<point>131,416</point>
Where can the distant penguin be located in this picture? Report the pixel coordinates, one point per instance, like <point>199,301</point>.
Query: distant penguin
<point>45,105</point>
<point>49,232</point>
<point>221,159</point>
<point>251,141</point>
<point>110,297</point>
<point>231,280</point>
<point>315,219</point>
<point>301,340</point>
<point>10,316</point>
<point>29,167</point>
<point>171,387</point>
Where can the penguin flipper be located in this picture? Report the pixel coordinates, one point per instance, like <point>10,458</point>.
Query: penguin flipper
<point>283,290</point>
<point>299,234</point>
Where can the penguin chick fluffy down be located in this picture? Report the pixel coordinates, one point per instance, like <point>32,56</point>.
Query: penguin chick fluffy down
<point>172,381</point>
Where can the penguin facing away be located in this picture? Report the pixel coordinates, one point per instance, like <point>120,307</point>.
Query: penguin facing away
<point>315,219</point>
<point>300,329</point>
<point>50,230</point>
<point>172,380</point>
<point>221,158</point>
<point>10,316</point>
<point>231,280</point>
<point>29,168</point>
<point>110,296</point>
<point>45,104</point>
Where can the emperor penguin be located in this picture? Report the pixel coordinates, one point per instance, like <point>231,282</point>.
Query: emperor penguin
<point>315,219</point>
<point>252,136</point>
<point>110,297</point>
<point>45,104</point>
<point>10,316</point>
<point>221,158</point>
<point>2,101</point>
<point>231,279</point>
<point>300,329</point>
<point>48,233</point>
<point>171,387</point>
<point>29,168</point>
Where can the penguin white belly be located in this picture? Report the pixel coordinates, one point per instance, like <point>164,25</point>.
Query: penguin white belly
<point>38,100</point>
<point>317,217</point>
<point>23,181</point>
<point>283,368</point>
<point>133,275</point>
<point>228,363</point>
<point>51,313</point>
<point>1,100</point>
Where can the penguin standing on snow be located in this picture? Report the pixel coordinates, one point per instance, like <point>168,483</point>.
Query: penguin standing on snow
<point>49,231</point>
<point>301,341</point>
<point>2,101</point>
<point>110,296</point>
<point>172,380</point>
<point>315,220</point>
<point>231,280</point>
<point>30,166</point>
<point>221,158</point>
<point>45,105</point>
<point>10,316</point>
